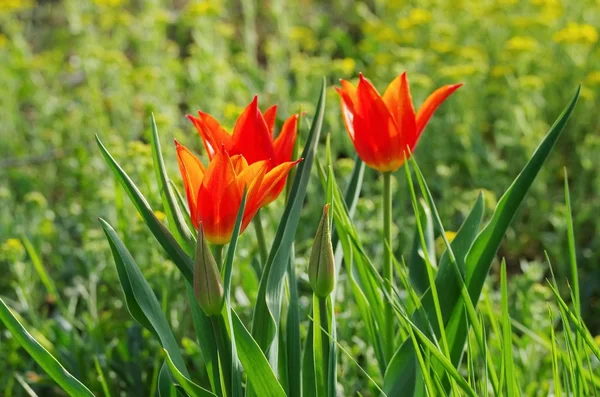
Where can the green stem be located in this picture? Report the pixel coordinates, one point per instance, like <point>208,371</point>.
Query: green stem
<point>224,351</point>
<point>325,337</point>
<point>218,253</point>
<point>260,237</point>
<point>388,272</point>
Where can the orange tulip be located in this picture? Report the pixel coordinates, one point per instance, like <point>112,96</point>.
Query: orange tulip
<point>252,138</point>
<point>214,193</point>
<point>382,128</point>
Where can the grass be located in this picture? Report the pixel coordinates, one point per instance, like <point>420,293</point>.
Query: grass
<point>72,69</point>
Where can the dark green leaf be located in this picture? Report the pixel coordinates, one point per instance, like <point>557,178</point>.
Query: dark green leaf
<point>268,304</point>
<point>166,239</point>
<point>48,363</point>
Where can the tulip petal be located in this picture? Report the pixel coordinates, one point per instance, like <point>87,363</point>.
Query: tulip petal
<point>252,177</point>
<point>192,172</point>
<point>219,199</point>
<point>376,126</point>
<point>270,116</point>
<point>284,143</point>
<point>251,135</point>
<point>239,163</point>
<point>432,103</point>
<point>272,179</point>
<point>211,132</point>
<point>399,102</point>
<point>348,103</point>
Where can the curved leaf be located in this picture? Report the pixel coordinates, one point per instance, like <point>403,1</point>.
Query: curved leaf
<point>48,363</point>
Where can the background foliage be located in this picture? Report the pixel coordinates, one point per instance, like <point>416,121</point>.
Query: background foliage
<point>75,68</point>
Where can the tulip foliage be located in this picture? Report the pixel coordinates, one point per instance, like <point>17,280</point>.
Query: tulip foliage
<point>417,315</point>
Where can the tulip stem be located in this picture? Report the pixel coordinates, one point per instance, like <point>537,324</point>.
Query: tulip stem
<point>388,272</point>
<point>218,254</point>
<point>224,351</point>
<point>260,237</point>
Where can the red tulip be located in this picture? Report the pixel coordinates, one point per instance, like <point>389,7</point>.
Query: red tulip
<point>252,138</point>
<point>214,194</point>
<point>382,128</point>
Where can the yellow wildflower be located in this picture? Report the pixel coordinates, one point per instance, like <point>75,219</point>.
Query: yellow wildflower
<point>442,47</point>
<point>161,216</point>
<point>305,37</point>
<point>576,33</point>
<point>458,71</point>
<point>203,8</point>
<point>500,70</point>
<point>345,66</point>
<point>231,111</point>
<point>109,3</point>
<point>450,235</point>
<point>521,44</point>
<point>593,78</point>
<point>419,16</point>
<point>12,249</point>
<point>225,30</point>
<point>531,82</point>
<point>14,5</point>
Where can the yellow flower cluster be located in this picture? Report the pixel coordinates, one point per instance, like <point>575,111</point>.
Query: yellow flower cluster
<point>521,44</point>
<point>14,5</point>
<point>109,3</point>
<point>203,8</point>
<point>305,38</point>
<point>576,33</point>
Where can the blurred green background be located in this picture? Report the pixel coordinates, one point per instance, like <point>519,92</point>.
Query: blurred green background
<point>70,69</point>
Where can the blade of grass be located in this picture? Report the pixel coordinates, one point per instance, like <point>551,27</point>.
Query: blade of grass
<point>260,374</point>
<point>164,237</point>
<point>40,269</point>
<point>101,377</point>
<point>267,309</point>
<point>192,389</point>
<point>507,350</point>
<point>41,356</point>
<point>140,299</point>
<point>177,222</point>
<point>236,370</point>
<point>483,250</point>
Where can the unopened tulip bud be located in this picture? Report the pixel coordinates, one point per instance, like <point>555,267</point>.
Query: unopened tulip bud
<point>208,285</point>
<point>321,266</point>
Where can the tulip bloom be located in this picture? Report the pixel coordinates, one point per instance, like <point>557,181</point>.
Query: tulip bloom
<point>382,128</point>
<point>214,193</point>
<point>252,138</point>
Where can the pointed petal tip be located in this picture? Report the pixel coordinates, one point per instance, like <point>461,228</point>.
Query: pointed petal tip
<point>177,144</point>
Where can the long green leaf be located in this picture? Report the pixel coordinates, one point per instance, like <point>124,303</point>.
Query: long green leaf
<point>485,247</point>
<point>206,340</point>
<point>507,351</point>
<point>160,232</point>
<point>140,298</point>
<point>48,363</point>
<point>400,375</point>
<point>40,269</point>
<point>292,335</point>
<point>268,304</point>
<point>236,370</point>
<point>416,263</point>
<point>260,374</point>
<point>179,228</point>
<point>190,387</point>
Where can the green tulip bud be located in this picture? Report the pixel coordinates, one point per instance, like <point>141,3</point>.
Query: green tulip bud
<point>321,266</point>
<point>208,285</point>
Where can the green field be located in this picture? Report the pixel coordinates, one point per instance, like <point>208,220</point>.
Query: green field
<point>74,69</point>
